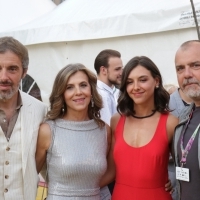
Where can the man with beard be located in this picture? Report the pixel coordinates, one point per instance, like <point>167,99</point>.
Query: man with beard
<point>187,137</point>
<point>20,118</point>
<point>108,66</point>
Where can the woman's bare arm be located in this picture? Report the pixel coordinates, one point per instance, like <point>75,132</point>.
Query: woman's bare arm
<point>172,122</point>
<point>43,143</point>
<point>109,176</point>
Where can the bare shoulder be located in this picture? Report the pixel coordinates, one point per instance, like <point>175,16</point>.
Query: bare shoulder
<point>114,120</point>
<point>44,135</point>
<point>172,121</point>
<point>45,129</point>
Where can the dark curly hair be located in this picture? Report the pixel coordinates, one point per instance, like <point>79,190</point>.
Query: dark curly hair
<point>161,96</point>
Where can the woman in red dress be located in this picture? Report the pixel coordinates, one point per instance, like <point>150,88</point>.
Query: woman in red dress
<point>142,134</point>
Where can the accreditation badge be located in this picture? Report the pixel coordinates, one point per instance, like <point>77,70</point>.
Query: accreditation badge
<point>182,174</point>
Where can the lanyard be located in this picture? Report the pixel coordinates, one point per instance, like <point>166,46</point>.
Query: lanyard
<point>190,142</point>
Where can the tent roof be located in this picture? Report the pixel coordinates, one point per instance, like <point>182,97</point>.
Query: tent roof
<point>16,13</point>
<point>82,20</point>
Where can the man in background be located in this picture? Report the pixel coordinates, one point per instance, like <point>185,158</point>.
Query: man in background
<point>108,66</point>
<point>178,102</point>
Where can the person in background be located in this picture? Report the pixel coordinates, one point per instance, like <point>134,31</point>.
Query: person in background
<point>187,137</point>
<point>178,101</point>
<point>20,118</point>
<point>74,141</point>
<point>170,88</point>
<point>142,134</point>
<point>108,66</point>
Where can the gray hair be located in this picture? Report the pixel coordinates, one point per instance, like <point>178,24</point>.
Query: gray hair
<point>13,45</point>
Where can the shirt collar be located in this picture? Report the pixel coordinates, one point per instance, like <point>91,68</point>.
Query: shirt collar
<point>19,101</point>
<point>102,85</point>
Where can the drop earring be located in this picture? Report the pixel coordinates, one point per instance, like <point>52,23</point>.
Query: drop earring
<point>92,102</point>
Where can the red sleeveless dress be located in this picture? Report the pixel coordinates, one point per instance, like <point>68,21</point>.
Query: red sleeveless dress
<point>141,173</point>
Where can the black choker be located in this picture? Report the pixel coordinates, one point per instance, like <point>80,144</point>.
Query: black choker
<point>154,111</point>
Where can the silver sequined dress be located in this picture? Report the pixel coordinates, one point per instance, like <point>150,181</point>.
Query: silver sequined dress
<point>76,160</point>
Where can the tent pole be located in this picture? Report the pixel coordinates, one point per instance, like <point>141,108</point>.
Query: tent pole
<point>195,18</point>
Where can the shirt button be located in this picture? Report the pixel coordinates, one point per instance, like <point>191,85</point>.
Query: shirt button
<point>5,190</point>
<point>8,149</point>
<point>6,176</point>
<point>7,162</point>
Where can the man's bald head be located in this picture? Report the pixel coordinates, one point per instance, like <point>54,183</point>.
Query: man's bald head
<point>187,61</point>
<point>188,44</point>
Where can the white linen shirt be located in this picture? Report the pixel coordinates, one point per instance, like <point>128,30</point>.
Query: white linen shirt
<point>116,93</point>
<point>109,103</point>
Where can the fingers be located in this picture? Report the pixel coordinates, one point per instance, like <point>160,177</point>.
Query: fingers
<point>172,190</point>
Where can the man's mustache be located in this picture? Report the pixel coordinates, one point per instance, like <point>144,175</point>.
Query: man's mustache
<point>2,82</point>
<point>190,81</point>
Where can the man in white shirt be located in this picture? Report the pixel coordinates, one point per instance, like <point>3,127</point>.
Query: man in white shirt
<point>108,65</point>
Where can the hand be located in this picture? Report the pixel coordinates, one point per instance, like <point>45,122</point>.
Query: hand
<point>168,187</point>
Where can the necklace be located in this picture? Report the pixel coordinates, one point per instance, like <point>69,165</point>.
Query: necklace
<point>153,112</point>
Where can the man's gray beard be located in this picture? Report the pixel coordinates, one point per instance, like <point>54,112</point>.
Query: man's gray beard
<point>193,93</point>
<point>8,94</point>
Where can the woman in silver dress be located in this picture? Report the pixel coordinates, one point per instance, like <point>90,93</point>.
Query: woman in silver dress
<point>74,141</point>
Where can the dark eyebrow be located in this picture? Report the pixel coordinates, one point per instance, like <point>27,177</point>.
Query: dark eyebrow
<point>79,83</point>
<point>117,68</point>
<point>195,62</point>
<point>191,63</point>
<point>143,76</point>
<point>177,66</point>
<point>14,66</point>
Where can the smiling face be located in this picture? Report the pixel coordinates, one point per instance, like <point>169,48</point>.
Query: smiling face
<point>141,85</point>
<point>78,92</point>
<point>187,63</point>
<point>11,73</point>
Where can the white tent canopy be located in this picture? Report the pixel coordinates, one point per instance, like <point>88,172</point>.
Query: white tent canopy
<point>16,13</point>
<point>76,31</point>
<point>84,20</point>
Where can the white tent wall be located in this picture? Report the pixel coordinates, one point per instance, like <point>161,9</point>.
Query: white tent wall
<point>76,31</point>
<point>45,61</point>
<point>76,20</point>
<point>48,58</point>
<point>16,13</point>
